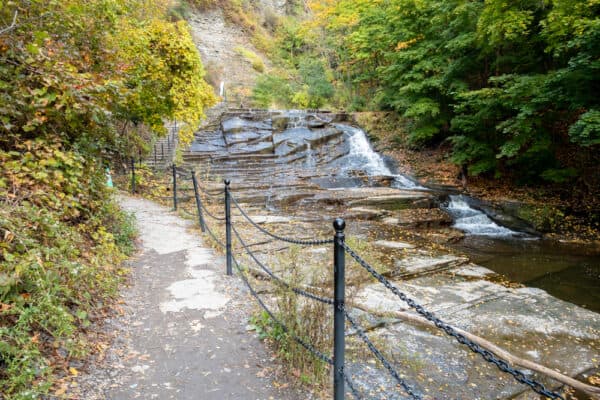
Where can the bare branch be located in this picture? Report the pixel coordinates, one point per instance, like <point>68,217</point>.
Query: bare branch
<point>12,25</point>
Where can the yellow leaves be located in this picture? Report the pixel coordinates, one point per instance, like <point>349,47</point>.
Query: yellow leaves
<point>408,43</point>
<point>165,80</point>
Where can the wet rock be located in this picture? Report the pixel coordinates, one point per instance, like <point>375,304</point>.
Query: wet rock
<point>393,245</point>
<point>237,124</point>
<point>393,201</point>
<point>291,198</point>
<point>257,148</point>
<point>391,221</point>
<point>423,218</point>
<point>247,137</point>
<point>381,180</point>
<point>270,219</point>
<point>416,265</point>
<point>364,213</point>
<point>509,214</point>
<point>473,271</point>
<point>445,235</point>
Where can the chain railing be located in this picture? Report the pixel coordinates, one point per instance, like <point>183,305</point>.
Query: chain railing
<point>449,330</point>
<point>341,314</point>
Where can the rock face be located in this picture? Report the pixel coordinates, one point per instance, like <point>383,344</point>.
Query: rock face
<point>296,172</point>
<point>216,41</point>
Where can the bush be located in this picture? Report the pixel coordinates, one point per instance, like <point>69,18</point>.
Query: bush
<point>62,240</point>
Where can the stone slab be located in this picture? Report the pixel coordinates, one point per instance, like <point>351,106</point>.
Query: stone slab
<point>415,265</point>
<point>393,245</point>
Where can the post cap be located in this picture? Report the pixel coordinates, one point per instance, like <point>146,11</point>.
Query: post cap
<point>226,182</point>
<point>339,224</point>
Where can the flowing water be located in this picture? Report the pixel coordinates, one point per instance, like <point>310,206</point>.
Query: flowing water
<point>569,272</point>
<point>361,156</point>
<point>473,221</point>
<point>336,154</point>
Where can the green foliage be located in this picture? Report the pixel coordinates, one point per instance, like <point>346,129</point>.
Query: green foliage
<point>97,73</point>
<point>586,131</point>
<point>61,241</point>
<point>318,86</point>
<point>271,90</point>
<point>81,82</point>
<point>311,89</point>
<point>512,84</point>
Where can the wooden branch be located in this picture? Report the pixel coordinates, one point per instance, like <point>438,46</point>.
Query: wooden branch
<point>593,391</point>
<point>12,25</point>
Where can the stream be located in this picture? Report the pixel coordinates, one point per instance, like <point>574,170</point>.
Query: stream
<point>295,171</point>
<point>569,272</point>
<point>277,147</point>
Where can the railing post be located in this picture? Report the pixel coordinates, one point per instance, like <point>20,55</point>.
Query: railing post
<point>198,202</point>
<point>140,157</point>
<point>339,320</point>
<point>132,175</point>
<point>174,188</point>
<point>162,151</point>
<point>228,227</point>
<point>155,161</point>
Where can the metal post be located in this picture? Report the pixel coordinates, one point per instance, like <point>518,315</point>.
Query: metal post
<point>339,330</point>
<point>132,175</point>
<point>155,162</point>
<point>162,151</point>
<point>228,227</point>
<point>174,187</point>
<point>169,141</point>
<point>198,202</point>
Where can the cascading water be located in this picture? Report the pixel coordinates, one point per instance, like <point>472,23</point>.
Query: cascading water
<point>309,161</point>
<point>362,157</point>
<point>297,119</point>
<point>472,221</point>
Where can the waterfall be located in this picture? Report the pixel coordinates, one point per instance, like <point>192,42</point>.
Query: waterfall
<point>297,119</point>
<point>472,221</point>
<point>361,156</point>
<point>309,161</point>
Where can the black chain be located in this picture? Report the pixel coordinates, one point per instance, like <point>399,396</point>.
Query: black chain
<point>283,239</point>
<point>210,214</point>
<point>214,194</point>
<point>449,330</point>
<point>275,277</point>
<point>191,214</point>
<point>380,356</point>
<point>353,389</point>
<point>318,354</point>
<point>214,237</point>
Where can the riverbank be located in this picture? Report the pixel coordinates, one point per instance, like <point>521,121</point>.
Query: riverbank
<point>295,171</point>
<point>565,212</point>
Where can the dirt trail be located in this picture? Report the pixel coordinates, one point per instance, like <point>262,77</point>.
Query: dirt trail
<point>183,331</point>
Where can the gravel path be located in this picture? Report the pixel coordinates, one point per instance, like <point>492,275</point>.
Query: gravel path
<point>182,333</point>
